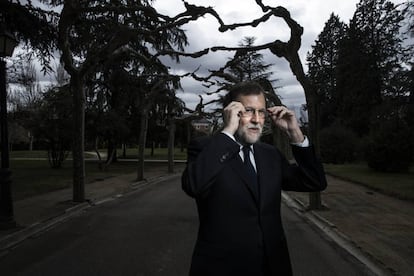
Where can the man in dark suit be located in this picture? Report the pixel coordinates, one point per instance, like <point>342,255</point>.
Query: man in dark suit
<point>237,182</point>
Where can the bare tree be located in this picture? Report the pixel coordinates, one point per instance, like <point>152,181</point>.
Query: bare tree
<point>24,99</point>
<point>139,30</point>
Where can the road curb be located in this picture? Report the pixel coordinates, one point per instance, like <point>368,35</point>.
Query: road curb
<point>335,235</point>
<point>13,239</point>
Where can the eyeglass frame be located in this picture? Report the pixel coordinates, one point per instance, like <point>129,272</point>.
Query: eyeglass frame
<point>250,112</point>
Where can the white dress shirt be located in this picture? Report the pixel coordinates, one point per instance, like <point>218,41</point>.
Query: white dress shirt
<point>303,144</point>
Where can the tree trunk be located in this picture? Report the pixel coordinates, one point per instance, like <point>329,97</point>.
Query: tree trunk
<point>311,100</point>
<point>30,141</point>
<point>281,142</point>
<point>124,148</point>
<point>315,201</point>
<point>152,148</point>
<point>171,136</point>
<point>111,152</point>
<point>98,154</point>
<point>314,124</point>
<point>78,139</point>
<point>141,144</point>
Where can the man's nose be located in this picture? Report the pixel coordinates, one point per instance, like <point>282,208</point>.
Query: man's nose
<point>255,116</point>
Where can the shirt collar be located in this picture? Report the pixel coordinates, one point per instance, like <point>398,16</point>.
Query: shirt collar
<point>241,147</point>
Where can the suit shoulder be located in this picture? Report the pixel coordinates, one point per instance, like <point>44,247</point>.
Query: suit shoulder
<point>270,151</point>
<point>267,147</point>
<point>201,140</point>
<point>214,140</point>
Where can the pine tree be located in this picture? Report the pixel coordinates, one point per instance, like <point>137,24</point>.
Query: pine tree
<point>249,65</point>
<point>378,24</point>
<point>322,64</point>
<point>370,55</point>
<point>358,85</point>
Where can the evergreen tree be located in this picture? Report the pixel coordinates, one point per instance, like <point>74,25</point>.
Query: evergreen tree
<point>379,23</point>
<point>322,64</point>
<point>95,33</point>
<point>249,65</point>
<point>358,85</point>
<point>369,58</point>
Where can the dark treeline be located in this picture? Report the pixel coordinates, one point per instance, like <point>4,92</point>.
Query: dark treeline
<point>363,72</point>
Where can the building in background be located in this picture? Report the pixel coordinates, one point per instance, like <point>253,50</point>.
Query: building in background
<point>202,126</point>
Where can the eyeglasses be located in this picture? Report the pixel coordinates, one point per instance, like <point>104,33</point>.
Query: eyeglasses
<point>250,112</point>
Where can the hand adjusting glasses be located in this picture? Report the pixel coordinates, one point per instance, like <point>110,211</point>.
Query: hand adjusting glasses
<point>250,112</point>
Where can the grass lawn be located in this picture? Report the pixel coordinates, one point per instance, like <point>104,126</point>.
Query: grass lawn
<point>400,185</point>
<point>159,153</point>
<point>32,176</point>
<point>131,153</point>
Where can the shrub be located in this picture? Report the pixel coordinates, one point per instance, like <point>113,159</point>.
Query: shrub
<point>390,146</point>
<point>338,144</point>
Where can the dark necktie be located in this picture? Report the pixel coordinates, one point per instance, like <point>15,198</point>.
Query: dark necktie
<point>250,169</point>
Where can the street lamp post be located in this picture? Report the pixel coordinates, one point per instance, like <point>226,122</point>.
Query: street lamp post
<point>7,45</point>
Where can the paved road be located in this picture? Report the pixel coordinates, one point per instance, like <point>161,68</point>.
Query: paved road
<point>312,254</point>
<point>150,232</point>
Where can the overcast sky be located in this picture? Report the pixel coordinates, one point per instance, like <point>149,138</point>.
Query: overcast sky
<point>310,14</point>
<point>203,33</point>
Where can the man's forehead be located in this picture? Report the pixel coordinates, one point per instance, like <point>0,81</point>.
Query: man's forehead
<point>256,99</point>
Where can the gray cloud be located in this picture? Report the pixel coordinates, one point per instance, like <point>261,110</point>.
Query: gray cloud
<point>204,34</point>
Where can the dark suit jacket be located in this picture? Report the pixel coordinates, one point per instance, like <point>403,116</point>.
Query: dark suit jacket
<point>240,230</point>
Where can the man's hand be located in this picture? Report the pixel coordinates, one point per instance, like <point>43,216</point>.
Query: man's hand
<point>231,117</point>
<point>285,120</point>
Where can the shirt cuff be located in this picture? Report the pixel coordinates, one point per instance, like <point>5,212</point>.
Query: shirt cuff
<point>303,144</point>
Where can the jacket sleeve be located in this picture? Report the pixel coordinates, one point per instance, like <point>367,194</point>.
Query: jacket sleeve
<point>206,158</point>
<point>307,175</point>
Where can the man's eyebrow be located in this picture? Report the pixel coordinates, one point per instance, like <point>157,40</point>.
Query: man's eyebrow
<point>250,107</point>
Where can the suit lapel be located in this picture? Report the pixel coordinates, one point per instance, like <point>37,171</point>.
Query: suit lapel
<point>262,172</point>
<point>238,166</point>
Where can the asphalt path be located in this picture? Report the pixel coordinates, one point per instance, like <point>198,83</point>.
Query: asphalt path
<point>151,231</point>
